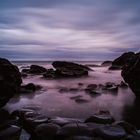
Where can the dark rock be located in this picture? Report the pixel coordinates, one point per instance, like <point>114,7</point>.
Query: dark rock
<point>106,63</point>
<point>101,118</point>
<point>76,97</point>
<point>110,87</point>
<point>131,74</point>
<point>29,88</point>
<point>123,84</point>
<point>10,133</point>
<point>123,60</point>
<point>111,132</point>
<point>63,121</point>
<point>10,80</point>
<point>80,84</point>
<point>35,69</point>
<point>47,131</point>
<point>79,138</point>
<point>75,129</point>
<point>115,68</point>
<point>69,69</point>
<point>80,100</point>
<point>49,74</point>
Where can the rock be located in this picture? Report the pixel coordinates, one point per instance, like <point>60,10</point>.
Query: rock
<point>131,74</point>
<point>47,131</point>
<point>111,132</point>
<point>79,100</point>
<point>79,138</point>
<point>29,88</point>
<point>101,118</point>
<point>122,60</point>
<point>63,121</point>
<point>91,89</point>
<point>24,135</point>
<point>69,69</point>
<point>76,97</point>
<point>106,63</point>
<point>75,129</point>
<point>35,69</point>
<point>110,87</point>
<point>10,133</point>
<point>30,119</point>
<point>49,74</point>
<point>10,80</point>
<point>123,84</point>
<point>80,84</point>
<point>115,68</point>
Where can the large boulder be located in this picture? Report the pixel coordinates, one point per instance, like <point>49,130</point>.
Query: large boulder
<point>122,60</point>
<point>70,69</point>
<point>131,74</point>
<point>10,81</point>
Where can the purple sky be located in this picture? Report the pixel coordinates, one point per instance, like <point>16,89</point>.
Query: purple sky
<point>68,29</point>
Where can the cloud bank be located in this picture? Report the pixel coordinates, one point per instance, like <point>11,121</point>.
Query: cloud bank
<point>68,29</point>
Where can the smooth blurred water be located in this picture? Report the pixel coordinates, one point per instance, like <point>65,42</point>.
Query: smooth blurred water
<point>53,103</point>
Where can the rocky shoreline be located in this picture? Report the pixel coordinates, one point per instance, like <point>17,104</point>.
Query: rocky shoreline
<point>28,123</point>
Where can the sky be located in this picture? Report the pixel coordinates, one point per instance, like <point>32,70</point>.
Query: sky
<point>68,29</point>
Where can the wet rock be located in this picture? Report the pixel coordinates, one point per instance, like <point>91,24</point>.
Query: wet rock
<point>35,69</point>
<point>49,74</point>
<point>101,118</point>
<point>80,84</point>
<point>123,60</point>
<point>115,68</point>
<point>63,121</point>
<point>69,69</point>
<point>79,138</point>
<point>47,131</point>
<point>111,87</point>
<point>29,119</point>
<point>10,80</point>
<point>106,63</point>
<point>63,90</point>
<point>129,128</point>
<point>24,135</point>
<point>80,100</point>
<point>131,74</point>
<point>111,132</point>
<point>29,88</point>
<point>123,84</point>
<point>73,89</point>
<point>10,133</point>
<point>132,137</point>
<point>75,129</point>
<point>76,97</point>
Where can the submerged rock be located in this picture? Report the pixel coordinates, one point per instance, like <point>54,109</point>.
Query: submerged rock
<point>10,80</point>
<point>29,88</point>
<point>35,69</point>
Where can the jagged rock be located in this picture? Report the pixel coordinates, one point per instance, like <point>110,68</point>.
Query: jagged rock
<point>10,80</point>
<point>131,74</point>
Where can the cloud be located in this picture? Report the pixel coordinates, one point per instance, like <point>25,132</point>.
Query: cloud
<point>67,29</point>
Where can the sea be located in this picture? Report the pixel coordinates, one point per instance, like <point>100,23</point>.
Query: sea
<point>51,102</point>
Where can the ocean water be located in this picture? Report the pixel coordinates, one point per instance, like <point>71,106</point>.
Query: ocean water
<point>51,102</point>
